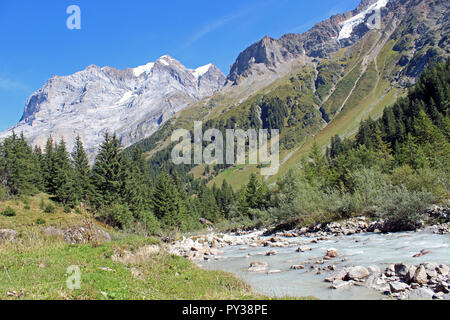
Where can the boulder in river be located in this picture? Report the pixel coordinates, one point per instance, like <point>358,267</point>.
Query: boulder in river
<point>297,267</point>
<point>338,275</point>
<point>337,284</point>
<point>303,249</point>
<point>332,253</point>
<point>357,273</point>
<point>258,266</point>
<point>271,253</point>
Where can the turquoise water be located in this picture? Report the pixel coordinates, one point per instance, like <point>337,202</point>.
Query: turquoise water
<point>362,249</point>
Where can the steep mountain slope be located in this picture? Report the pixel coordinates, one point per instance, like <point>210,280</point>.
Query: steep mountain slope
<point>131,102</point>
<point>321,83</point>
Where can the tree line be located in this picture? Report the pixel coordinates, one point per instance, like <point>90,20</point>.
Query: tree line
<point>118,188</point>
<point>393,167</point>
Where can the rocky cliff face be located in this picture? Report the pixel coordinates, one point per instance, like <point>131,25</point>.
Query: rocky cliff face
<point>132,103</point>
<point>423,17</point>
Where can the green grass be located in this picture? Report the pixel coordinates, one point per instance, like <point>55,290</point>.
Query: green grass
<point>30,209</point>
<point>39,272</point>
<point>35,265</point>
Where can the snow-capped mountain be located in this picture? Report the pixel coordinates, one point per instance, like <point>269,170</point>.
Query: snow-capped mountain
<point>348,25</point>
<point>269,55</point>
<point>133,103</point>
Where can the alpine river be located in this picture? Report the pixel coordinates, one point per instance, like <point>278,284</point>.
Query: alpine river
<point>367,249</point>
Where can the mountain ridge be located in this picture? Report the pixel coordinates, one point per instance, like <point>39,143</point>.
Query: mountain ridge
<point>132,102</point>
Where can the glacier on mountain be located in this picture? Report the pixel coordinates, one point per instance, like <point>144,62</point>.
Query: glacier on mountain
<point>348,25</point>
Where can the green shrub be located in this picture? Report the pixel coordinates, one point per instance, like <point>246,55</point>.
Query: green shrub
<point>42,205</point>
<point>117,215</point>
<point>369,185</point>
<point>27,207</point>
<point>40,221</point>
<point>150,223</point>
<point>67,209</point>
<point>431,180</point>
<point>49,208</point>
<point>78,210</point>
<point>8,212</point>
<point>402,210</point>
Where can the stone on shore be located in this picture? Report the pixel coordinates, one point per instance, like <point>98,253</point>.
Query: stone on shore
<point>420,276</point>
<point>357,273</point>
<point>421,294</point>
<point>398,286</point>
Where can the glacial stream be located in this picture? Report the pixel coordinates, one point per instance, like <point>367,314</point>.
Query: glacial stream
<point>368,249</point>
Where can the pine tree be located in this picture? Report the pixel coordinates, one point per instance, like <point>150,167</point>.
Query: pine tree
<point>167,204</point>
<point>109,174</point>
<point>19,171</point>
<point>48,166</point>
<point>63,179</point>
<point>82,187</point>
<point>253,196</point>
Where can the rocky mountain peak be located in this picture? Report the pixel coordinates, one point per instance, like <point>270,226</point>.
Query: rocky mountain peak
<point>133,102</point>
<point>324,38</point>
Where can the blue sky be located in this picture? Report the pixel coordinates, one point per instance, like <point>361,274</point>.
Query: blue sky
<point>36,43</point>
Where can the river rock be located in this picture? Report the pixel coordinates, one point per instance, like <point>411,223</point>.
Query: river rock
<point>273,271</point>
<point>356,273</point>
<point>337,284</point>
<point>439,295</point>
<point>431,268</point>
<point>401,270</point>
<point>421,294</point>
<point>258,266</point>
<point>397,286</point>
<point>332,253</point>
<point>443,270</point>
<point>303,249</point>
<point>374,270</point>
<point>338,275</point>
<point>420,276</point>
<point>297,267</point>
<point>271,253</point>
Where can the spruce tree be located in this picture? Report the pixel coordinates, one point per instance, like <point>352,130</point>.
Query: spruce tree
<point>109,173</point>
<point>82,187</point>
<point>167,204</point>
<point>48,166</point>
<point>63,179</point>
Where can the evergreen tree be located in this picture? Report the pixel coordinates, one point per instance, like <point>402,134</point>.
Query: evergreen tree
<point>82,187</point>
<point>48,167</point>
<point>19,168</point>
<point>253,196</point>
<point>109,173</point>
<point>167,204</point>
<point>64,176</point>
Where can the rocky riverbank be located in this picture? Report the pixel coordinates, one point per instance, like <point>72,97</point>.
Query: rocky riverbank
<point>398,281</point>
<point>205,247</point>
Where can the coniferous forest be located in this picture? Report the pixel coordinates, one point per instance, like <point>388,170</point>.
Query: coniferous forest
<point>393,168</point>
